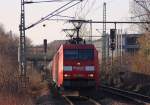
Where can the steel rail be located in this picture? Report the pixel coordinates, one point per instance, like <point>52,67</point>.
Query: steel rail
<point>82,97</point>
<point>67,99</point>
<point>128,94</point>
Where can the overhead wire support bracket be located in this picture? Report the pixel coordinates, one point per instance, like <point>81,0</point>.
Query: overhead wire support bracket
<point>81,21</point>
<point>113,22</point>
<point>69,29</point>
<point>65,16</point>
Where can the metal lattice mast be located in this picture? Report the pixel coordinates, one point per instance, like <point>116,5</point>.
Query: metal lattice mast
<point>104,43</point>
<point>22,46</point>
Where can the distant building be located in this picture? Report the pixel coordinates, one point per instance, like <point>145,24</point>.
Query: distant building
<point>130,44</point>
<point>98,44</point>
<point>125,43</point>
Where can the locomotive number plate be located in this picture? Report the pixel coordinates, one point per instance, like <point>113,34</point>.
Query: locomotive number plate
<point>78,68</point>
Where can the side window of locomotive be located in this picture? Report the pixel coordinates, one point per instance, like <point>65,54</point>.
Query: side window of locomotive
<point>70,54</point>
<point>86,54</point>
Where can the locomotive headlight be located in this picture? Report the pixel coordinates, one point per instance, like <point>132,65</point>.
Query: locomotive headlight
<point>89,68</point>
<point>66,75</point>
<point>67,68</point>
<point>91,75</point>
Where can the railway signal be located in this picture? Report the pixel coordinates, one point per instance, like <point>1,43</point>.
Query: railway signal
<point>112,35</point>
<point>112,46</point>
<point>112,39</point>
<point>45,45</point>
<point>45,59</point>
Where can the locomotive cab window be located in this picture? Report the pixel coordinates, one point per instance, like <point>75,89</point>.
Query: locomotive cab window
<point>70,54</point>
<point>81,54</point>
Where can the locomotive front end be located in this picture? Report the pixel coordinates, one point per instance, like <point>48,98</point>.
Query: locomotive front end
<point>80,66</point>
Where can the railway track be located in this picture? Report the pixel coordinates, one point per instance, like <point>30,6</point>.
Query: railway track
<point>132,96</point>
<point>80,100</point>
<point>104,93</point>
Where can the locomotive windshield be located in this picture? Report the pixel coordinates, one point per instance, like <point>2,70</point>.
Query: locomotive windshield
<point>81,54</point>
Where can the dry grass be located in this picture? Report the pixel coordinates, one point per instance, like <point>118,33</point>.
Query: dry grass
<point>119,103</point>
<point>7,99</point>
<point>9,94</point>
<point>36,86</point>
<point>9,91</point>
<point>39,89</point>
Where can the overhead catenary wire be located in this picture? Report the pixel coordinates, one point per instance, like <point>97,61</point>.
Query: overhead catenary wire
<point>52,14</point>
<point>84,5</point>
<point>46,1</point>
<point>64,10</point>
<point>100,6</point>
<point>90,8</point>
<point>80,9</point>
<point>76,12</point>
<point>43,19</point>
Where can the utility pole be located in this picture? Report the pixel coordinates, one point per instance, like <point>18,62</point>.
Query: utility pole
<point>104,38</point>
<point>45,59</point>
<point>91,31</point>
<point>22,48</point>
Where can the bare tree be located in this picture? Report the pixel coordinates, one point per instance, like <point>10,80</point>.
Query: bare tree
<point>9,70</point>
<point>141,60</point>
<point>141,11</point>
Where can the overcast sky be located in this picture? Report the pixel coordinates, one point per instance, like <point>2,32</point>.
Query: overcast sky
<point>10,16</point>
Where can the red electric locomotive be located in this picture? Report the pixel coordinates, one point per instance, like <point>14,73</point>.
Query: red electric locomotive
<point>76,66</point>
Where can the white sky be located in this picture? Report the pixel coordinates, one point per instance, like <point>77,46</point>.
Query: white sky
<point>117,10</point>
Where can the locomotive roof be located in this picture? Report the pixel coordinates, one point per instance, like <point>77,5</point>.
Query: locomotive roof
<point>74,46</point>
